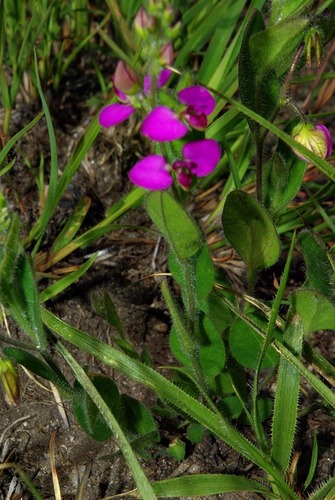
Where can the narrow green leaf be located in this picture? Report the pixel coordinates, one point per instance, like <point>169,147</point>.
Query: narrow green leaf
<point>9,254</point>
<point>326,492</point>
<point>208,484</point>
<point>4,152</point>
<point>72,225</point>
<point>313,464</point>
<point>136,469</point>
<point>61,285</point>
<point>40,368</point>
<point>175,224</point>
<point>287,398</point>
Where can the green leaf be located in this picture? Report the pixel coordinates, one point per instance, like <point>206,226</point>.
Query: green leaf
<point>177,449</point>
<point>282,180</point>
<point>217,311</point>
<point>287,397</point>
<point>246,346</point>
<point>135,418</point>
<point>272,49</point>
<point>212,353</point>
<point>195,433</point>
<point>104,306</point>
<point>320,268</point>
<point>264,410</point>
<point>259,90</point>
<point>195,276</point>
<point>207,484</point>
<point>72,225</point>
<point>175,224</point>
<point>325,492</point>
<point>177,348</point>
<point>61,285</point>
<point>313,464</point>
<point>250,230</point>
<point>231,407</point>
<point>314,309</point>
<point>281,10</point>
<point>18,290</point>
<point>86,411</point>
<point>41,368</point>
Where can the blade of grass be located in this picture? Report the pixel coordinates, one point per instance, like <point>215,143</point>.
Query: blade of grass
<point>4,152</point>
<point>139,476</point>
<point>39,227</point>
<point>61,285</point>
<point>208,484</point>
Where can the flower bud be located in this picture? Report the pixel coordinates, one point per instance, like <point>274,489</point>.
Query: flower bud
<point>10,380</point>
<point>166,55</point>
<point>317,139</point>
<point>125,79</point>
<point>313,41</point>
<point>143,23</point>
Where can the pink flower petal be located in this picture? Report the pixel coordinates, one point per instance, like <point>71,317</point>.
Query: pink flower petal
<point>198,99</point>
<point>204,153</point>
<point>115,113</point>
<point>199,122</point>
<point>162,124</point>
<point>163,77</point>
<point>328,138</point>
<point>151,173</point>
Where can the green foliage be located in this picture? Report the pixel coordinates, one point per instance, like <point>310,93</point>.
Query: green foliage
<point>246,346</point>
<point>86,411</point>
<point>250,231</point>
<point>320,266</point>
<point>175,224</point>
<point>18,292</point>
<point>282,179</point>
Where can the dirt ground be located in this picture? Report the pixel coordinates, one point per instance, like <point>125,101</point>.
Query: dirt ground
<point>87,469</point>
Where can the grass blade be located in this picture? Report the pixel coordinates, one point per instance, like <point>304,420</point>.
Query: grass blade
<point>130,457</point>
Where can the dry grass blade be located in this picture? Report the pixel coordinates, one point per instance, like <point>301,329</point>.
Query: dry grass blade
<point>55,480</point>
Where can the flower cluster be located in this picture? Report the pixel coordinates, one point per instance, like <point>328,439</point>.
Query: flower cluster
<point>315,138</point>
<point>162,123</point>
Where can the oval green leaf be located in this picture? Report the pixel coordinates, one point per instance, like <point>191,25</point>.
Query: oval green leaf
<point>250,230</point>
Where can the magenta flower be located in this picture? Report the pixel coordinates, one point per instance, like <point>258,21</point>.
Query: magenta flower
<point>151,173</point>
<point>113,114</point>
<point>199,104</point>
<point>199,159</point>
<point>163,124</point>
